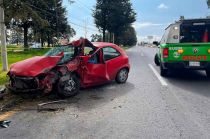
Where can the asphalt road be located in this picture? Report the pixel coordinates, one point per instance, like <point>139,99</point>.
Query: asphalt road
<point>146,107</point>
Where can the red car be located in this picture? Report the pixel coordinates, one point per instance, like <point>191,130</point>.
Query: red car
<point>67,68</point>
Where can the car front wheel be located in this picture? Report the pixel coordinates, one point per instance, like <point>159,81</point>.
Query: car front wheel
<point>122,76</point>
<point>69,86</point>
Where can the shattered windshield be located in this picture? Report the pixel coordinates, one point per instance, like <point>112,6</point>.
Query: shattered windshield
<point>69,53</point>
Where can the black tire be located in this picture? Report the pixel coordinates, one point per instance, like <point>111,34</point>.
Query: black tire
<point>122,76</point>
<point>208,73</point>
<point>156,59</point>
<point>68,88</point>
<point>163,72</point>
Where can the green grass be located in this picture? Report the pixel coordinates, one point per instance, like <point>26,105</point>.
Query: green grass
<point>14,57</point>
<point>125,47</point>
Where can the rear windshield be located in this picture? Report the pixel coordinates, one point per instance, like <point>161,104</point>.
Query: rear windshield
<point>195,33</point>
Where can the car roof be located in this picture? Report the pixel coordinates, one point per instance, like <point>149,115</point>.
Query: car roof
<point>102,44</point>
<point>105,44</point>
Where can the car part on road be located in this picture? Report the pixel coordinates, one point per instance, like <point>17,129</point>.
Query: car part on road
<point>4,124</point>
<point>2,93</point>
<point>122,76</point>
<point>41,107</point>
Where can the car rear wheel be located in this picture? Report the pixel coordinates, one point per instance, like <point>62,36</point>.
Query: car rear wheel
<point>70,87</point>
<point>122,76</point>
<point>208,73</point>
<point>156,59</point>
<point>163,72</point>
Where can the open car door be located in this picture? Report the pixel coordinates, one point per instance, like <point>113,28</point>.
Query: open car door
<point>94,70</point>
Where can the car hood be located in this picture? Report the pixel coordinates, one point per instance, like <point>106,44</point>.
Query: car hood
<point>34,66</point>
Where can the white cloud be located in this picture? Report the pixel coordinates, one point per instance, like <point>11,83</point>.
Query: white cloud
<point>140,25</point>
<point>163,6</point>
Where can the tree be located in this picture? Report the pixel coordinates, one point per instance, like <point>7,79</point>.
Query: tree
<point>24,14</point>
<point>46,18</point>
<point>112,16</point>
<point>96,38</point>
<point>101,16</point>
<point>121,17</point>
<point>16,35</point>
<point>128,37</point>
<point>58,26</point>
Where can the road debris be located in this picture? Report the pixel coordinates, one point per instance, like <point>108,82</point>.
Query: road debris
<point>42,107</point>
<point>75,115</point>
<point>4,124</point>
<point>10,104</point>
<point>2,93</point>
<point>95,97</point>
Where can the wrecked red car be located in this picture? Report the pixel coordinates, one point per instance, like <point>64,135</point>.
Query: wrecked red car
<point>67,68</point>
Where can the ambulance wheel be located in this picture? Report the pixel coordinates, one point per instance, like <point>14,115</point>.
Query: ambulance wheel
<point>208,73</point>
<point>163,72</point>
<point>157,62</point>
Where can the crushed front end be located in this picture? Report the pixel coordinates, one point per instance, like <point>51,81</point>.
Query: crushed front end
<point>24,84</point>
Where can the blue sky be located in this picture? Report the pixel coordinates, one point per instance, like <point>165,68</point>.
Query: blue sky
<point>153,16</point>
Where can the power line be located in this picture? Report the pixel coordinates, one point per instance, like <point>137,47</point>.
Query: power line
<point>69,21</point>
<point>81,21</point>
<point>84,5</point>
<point>82,26</point>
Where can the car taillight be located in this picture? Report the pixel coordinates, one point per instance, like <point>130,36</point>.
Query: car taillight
<point>165,53</point>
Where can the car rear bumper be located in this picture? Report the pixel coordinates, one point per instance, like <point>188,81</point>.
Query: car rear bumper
<point>185,65</point>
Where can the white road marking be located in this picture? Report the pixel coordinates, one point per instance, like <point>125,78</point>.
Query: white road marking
<point>162,81</point>
<point>142,54</point>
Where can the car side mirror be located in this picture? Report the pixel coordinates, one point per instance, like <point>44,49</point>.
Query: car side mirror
<point>156,43</point>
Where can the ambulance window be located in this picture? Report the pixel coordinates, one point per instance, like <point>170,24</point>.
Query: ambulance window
<point>173,36</point>
<point>195,33</point>
<point>165,36</point>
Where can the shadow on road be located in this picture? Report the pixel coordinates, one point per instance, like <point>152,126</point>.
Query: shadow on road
<point>96,96</point>
<point>86,100</point>
<point>193,81</point>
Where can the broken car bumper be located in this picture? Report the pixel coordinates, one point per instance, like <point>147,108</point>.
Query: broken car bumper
<point>13,89</point>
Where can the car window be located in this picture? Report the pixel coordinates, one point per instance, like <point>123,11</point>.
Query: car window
<point>110,53</point>
<point>88,50</point>
<point>69,53</point>
<point>95,59</point>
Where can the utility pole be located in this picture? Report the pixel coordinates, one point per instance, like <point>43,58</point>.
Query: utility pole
<point>85,27</point>
<point>3,39</point>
